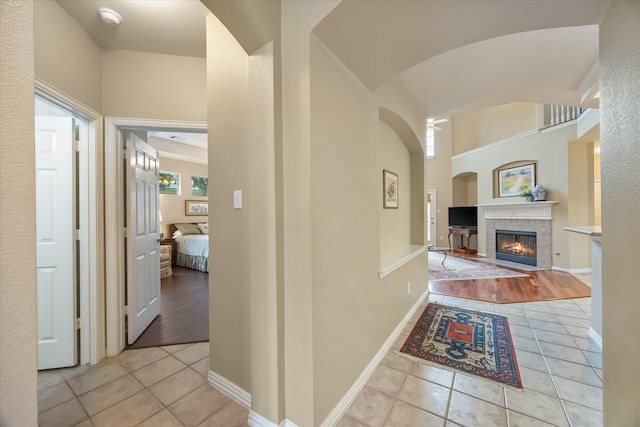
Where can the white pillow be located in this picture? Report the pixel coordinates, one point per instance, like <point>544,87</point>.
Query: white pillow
<point>204,228</point>
<point>177,233</point>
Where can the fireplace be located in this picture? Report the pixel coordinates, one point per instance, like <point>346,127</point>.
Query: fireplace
<point>522,216</point>
<point>516,246</point>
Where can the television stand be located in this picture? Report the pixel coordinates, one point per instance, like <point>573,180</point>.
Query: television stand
<point>463,232</point>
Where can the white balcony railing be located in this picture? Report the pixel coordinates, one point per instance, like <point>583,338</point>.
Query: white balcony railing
<point>557,114</point>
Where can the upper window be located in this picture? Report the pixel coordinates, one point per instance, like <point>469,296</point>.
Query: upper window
<point>199,186</point>
<point>169,182</point>
<point>431,144</point>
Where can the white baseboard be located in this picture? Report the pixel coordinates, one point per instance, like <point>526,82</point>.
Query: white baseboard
<point>257,420</point>
<point>571,270</point>
<point>351,394</point>
<point>243,397</point>
<point>229,389</point>
<point>595,337</point>
<point>580,270</point>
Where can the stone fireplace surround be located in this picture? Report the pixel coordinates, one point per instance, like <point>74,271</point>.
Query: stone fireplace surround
<point>528,216</point>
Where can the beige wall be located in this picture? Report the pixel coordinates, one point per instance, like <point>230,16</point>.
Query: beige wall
<point>464,128</point>
<point>395,224</point>
<point>504,121</point>
<point>172,206</point>
<point>227,91</point>
<point>580,209</point>
<point>337,261</point>
<point>266,364</point>
<point>482,127</point>
<point>18,364</point>
<point>350,302</point>
<point>465,189</point>
<point>597,184</point>
<point>394,96</point>
<point>298,19</point>
<point>151,85</point>
<point>65,55</point>
<point>117,83</point>
<point>620,151</point>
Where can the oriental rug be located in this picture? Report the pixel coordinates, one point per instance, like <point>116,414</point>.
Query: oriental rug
<point>467,341</point>
<point>458,269</point>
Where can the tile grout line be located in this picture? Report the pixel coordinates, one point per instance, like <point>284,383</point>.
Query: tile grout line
<point>77,396</point>
<point>129,373</point>
<point>553,382</point>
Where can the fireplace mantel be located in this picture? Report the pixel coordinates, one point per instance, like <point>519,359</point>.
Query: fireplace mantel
<point>518,210</point>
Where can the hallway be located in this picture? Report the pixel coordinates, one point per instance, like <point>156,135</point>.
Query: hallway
<point>155,386</point>
<point>561,369</point>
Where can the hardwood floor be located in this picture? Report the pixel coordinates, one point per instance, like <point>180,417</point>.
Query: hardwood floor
<point>184,316</point>
<point>185,299</point>
<point>542,285</point>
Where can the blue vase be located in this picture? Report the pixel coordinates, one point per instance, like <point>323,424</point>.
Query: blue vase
<point>539,192</point>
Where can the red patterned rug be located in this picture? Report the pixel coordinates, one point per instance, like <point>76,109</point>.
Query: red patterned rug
<point>467,341</point>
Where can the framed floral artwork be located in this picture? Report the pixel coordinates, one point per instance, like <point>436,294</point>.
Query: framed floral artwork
<point>389,189</point>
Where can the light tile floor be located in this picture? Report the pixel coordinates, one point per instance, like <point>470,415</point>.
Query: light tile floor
<point>561,370</point>
<point>560,366</point>
<point>154,387</point>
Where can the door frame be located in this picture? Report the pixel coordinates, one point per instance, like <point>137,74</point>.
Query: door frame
<point>91,284</point>
<point>434,228</point>
<point>114,216</point>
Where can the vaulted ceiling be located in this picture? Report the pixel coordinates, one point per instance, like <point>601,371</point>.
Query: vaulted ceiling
<point>452,55</point>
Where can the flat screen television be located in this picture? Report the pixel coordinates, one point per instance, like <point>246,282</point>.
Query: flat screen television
<point>463,217</point>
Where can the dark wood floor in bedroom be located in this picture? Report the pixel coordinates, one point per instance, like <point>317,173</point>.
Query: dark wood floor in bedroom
<point>184,316</point>
<point>542,285</point>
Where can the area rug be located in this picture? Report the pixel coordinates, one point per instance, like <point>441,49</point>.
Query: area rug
<point>458,269</point>
<point>467,341</point>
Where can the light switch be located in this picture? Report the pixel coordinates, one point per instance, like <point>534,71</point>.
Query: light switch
<point>237,199</point>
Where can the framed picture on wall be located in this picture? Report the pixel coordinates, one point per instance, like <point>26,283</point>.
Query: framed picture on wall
<point>196,207</point>
<point>389,189</point>
<point>515,180</point>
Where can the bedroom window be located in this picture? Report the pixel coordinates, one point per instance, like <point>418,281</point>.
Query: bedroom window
<point>169,183</point>
<point>199,186</point>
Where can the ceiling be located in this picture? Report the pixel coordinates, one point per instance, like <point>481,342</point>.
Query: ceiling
<point>174,27</point>
<point>452,55</point>
<point>458,55</point>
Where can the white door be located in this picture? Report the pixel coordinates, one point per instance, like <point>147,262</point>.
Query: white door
<point>54,242</point>
<point>143,258</point>
<point>431,218</point>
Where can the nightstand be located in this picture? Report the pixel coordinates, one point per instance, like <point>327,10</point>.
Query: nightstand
<point>174,249</point>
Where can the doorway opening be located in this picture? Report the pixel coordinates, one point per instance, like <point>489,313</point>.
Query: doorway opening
<point>114,212</point>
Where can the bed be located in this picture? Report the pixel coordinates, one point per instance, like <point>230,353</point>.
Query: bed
<point>192,245</point>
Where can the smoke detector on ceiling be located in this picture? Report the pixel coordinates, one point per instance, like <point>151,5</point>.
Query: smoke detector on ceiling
<point>110,16</point>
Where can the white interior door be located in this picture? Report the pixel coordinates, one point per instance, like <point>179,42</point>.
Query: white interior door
<point>143,258</point>
<point>54,242</point>
<point>431,218</point>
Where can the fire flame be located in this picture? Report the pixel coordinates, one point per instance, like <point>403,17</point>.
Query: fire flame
<point>517,248</point>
